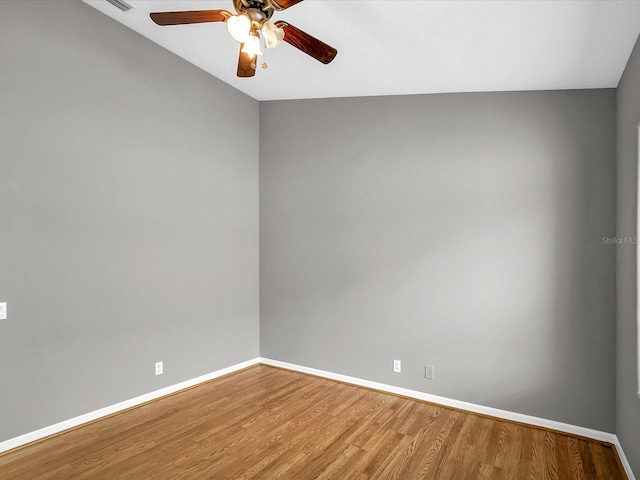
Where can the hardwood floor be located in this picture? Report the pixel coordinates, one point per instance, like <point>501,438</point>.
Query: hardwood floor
<point>267,423</point>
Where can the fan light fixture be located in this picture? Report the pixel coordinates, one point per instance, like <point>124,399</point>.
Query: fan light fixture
<point>242,29</point>
<point>272,35</point>
<point>239,27</point>
<point>252,45</point>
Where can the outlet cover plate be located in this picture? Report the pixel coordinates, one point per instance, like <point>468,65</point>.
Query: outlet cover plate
<point>159,368</point>
<point>429,372</point>
<point>397,366</point>
<point>3,310</point>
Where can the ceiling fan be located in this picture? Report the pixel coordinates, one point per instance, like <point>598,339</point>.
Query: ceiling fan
<point>252,20</point>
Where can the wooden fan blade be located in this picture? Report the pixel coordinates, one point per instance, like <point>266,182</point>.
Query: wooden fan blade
<point>306,43</point>
<point>194,16</point>
<point>283,4</point>
<point>246,64</point>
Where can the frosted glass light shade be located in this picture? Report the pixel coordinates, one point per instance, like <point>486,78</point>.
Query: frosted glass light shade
<point>252,46</point>
<point>239,27</point>
<point>272,35</point>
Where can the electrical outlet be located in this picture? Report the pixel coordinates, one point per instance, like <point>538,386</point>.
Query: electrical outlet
<point>159,368</point>
<point>397,366</point>
<point>3,311</point>
<point>429,372</point>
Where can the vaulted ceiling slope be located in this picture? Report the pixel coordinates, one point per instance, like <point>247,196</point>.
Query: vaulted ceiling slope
<point>396,47</point>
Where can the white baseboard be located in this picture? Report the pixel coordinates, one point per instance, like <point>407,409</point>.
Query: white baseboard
<point>623,459</point>
<point>103,412</point>
<point>471,407</point>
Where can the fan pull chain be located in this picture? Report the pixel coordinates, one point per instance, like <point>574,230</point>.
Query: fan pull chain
<point>264,55</point>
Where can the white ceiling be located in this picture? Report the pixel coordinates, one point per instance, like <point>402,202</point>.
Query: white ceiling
<point>394,47</point>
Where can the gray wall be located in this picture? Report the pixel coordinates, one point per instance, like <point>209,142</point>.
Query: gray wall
<point>463,231</point>
<point>128,216</point>
<point>628,403</point>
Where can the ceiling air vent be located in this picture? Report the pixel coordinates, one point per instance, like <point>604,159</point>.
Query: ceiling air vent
<point>120,4</point>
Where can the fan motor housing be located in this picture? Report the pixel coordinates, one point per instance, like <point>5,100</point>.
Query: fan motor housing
<point>255,8</point>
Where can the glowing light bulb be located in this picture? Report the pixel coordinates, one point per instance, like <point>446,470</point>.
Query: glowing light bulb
<point>272,35</point>
<point>252,45</point>
<point>239,27</point>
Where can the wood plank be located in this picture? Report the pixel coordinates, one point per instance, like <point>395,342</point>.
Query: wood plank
<point>575,462</point>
